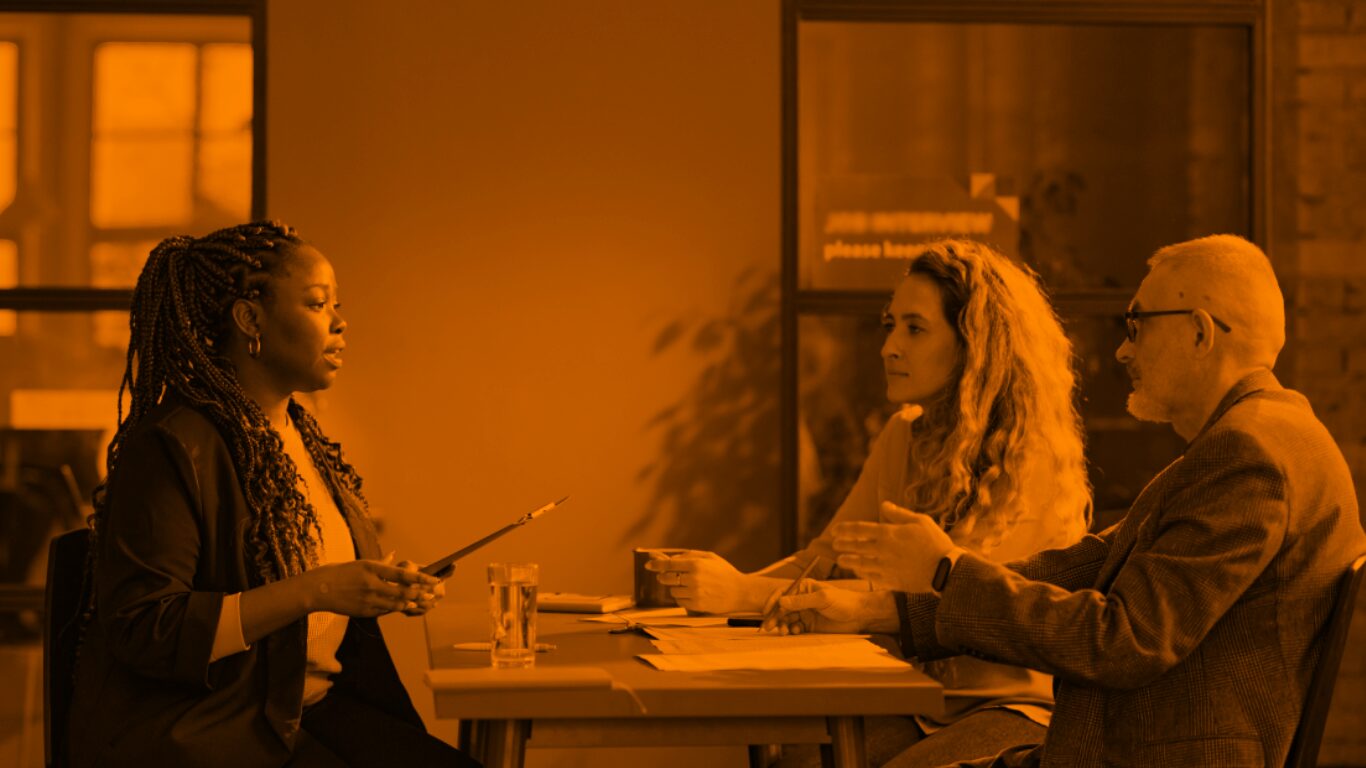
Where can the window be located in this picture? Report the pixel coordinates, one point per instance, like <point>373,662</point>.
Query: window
<point>116,130</point>
<point>1075,137</point>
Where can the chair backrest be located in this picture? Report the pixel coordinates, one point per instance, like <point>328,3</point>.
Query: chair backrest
<point>1304,750</point>
<point>63,603</point>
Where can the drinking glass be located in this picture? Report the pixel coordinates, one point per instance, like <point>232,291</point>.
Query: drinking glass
<point>512,610</point>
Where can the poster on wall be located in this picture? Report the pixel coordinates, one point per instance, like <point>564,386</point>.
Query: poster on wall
<point>866,228</point>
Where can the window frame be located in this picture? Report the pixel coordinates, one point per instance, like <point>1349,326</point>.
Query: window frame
<point>1251,15</point>
<point>42,298</point>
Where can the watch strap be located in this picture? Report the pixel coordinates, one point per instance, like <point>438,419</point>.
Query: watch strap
<point>941,574</point>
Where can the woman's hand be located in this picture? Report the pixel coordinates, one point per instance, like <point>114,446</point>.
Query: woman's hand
<point>366,588</point>
<point>428,595</point>
<point>703,581</point>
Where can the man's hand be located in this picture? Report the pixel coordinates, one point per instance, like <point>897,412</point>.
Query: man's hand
<point>702,581</point>
<point>818,607</point>
<point>900,555</point>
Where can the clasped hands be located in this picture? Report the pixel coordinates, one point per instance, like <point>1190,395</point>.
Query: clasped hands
<point>899,554</point>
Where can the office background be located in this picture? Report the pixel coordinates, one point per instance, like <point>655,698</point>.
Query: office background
<point>555,225</point>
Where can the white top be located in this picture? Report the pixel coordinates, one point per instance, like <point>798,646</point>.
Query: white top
<point>969,684</point>
<point>325,630</point>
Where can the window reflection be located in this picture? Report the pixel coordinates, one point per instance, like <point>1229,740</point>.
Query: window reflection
<point>9,90</point>
<point>1090,145</point>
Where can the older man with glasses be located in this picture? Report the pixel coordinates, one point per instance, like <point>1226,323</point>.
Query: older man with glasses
<point>1187,633</point>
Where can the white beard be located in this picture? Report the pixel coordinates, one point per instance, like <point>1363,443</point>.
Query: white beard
<point>1144,408</point>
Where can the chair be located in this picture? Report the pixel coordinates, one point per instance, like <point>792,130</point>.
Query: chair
<point>63,602</point>
<point>1304,750</point>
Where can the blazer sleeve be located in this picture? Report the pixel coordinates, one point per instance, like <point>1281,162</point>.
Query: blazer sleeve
<point>154,621</point>
<point>1223,521</point>
<point>1071,568</point>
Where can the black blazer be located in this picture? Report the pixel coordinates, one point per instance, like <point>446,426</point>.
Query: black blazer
<point>173,544</point>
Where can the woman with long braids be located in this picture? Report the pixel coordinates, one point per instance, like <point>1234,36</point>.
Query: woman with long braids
<point>235,575</point>
<point>988,442</point>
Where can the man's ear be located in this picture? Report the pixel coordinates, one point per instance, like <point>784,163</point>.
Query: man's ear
<point>246,317</point>
<point>1204,332</point>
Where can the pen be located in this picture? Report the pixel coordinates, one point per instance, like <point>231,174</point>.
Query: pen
<point>440,566</point>
<point>540,647</point>
<point>791,588</point>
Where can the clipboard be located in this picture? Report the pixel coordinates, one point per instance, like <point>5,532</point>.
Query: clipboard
<point>444,567</point>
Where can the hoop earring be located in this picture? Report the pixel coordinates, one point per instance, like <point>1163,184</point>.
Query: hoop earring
<point>254,346</point>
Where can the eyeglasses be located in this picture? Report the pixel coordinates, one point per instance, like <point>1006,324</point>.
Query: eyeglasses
<point>1131,319</point>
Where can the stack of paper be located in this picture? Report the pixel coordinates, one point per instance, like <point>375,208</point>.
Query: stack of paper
<point>735,639</point>
<point>572,602</point>
<point>854,654</point>
<point>659,617</point>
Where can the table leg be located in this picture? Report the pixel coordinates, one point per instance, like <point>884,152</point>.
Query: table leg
<point>465,739</point>
<point>503,742</point>
<point>846,742</point>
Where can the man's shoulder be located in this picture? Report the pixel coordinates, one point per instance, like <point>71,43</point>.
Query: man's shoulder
<point>1274,425</point>
<point>1271,414</point>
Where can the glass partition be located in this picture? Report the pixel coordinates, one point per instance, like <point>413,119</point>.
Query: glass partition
<point>1081,149</point>
<point>1077,140</point>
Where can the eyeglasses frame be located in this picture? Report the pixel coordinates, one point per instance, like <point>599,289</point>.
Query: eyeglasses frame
<point>1131,326</point>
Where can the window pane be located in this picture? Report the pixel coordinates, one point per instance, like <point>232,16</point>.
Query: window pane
<point>225,175</point>
<point>116,265</point>
<point>56,351</point>
<point>9,81</point>
<point>841,406</point>
<point>110,329</point>
<point>144,87</point>
<point>226,101</point>
<point>141,182</point>
<point>1080,149</point>
<point>9,278</point>
<point>57,412</point>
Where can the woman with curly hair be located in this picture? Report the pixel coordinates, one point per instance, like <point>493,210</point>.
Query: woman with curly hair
<point>988,442</point>
<point>234,573</point>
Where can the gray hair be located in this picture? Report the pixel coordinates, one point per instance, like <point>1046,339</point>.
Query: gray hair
<point>1232,279</point>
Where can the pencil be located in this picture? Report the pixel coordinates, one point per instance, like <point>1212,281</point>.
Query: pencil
<point>791,588</point>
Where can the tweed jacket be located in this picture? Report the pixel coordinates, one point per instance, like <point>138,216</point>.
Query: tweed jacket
<point>1187,633</point>
<point>173,545</point>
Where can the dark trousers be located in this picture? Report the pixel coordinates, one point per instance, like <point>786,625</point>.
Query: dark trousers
<point>342,730</point>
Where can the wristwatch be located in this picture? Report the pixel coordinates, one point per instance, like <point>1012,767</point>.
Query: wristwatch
<point>941,574</point>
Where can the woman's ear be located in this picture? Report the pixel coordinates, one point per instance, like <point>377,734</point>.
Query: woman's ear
<point>246,317</point>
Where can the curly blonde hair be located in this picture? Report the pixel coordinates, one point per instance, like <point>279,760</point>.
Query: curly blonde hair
<point>1007,440</point>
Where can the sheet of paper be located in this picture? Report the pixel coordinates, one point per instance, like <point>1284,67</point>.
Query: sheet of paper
<point>857,654</point>
<point>659,617</point>
<point>734,639</point>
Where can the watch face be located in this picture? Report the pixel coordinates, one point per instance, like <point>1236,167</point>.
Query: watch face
<point>941,574</point>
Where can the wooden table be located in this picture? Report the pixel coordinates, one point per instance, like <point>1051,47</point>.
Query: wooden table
<point>646,707</point>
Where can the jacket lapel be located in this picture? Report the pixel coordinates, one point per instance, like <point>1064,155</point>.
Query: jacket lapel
<point>1150,499</point>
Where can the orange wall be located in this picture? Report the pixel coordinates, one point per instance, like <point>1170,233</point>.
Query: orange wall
<point>518,199</point>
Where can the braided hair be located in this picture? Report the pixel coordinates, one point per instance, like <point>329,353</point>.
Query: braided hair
<point>180,326</point>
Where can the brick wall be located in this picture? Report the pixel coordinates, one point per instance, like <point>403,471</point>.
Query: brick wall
<point>1319,210</point>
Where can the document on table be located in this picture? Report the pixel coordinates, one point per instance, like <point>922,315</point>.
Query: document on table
<point>659,617</point>
<point>735,639</point>
<point>853,654</point>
